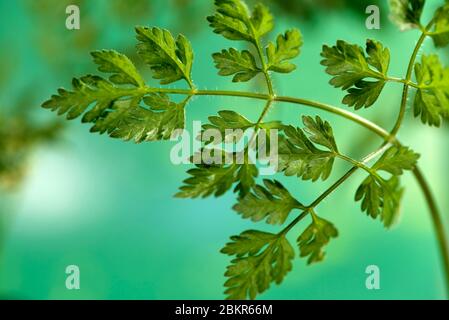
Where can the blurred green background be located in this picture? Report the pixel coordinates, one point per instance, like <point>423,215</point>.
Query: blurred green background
<point>107,206</point>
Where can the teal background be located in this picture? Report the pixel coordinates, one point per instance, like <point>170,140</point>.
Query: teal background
<point>107,205</point>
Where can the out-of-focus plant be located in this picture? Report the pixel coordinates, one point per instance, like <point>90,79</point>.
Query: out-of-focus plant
<point>123,106</point>
<point>309,8</point>
<point>19,137</point>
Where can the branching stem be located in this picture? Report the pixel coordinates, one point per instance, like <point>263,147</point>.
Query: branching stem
<point>388,138</point>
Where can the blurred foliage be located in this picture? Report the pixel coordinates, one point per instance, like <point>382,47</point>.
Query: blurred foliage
<point>64,47</point>
<point>19,136</point>
<point>308,9</point>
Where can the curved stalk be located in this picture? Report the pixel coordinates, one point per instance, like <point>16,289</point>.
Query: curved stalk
<point>408,78</point>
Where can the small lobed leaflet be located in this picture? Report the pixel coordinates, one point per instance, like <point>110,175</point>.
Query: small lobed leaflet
<point>363,75</point>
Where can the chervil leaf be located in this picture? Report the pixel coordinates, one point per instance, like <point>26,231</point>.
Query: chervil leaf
<point>313,240</point>
<point>432,98</point>
<point>246,175</point>
<point>273,202</point>
<point>406,14</point>
<point>117,112</point>
<point>211,178</point>
<point>128,121</point>
<point>320,132</point>
<point>381,198</point>
<point>234,21</point>
<point>365,93</point>
<point>241,64</point>
<point>351,67</point>
<point>88,90</point>
<point>267,259</point>
<point>397,159</point>
<point>440,34</point>
<point>225,124</point>
<point>170,60</point>
<point>287,47</point>
<point>122,69</point>
<point>171,116</point>
<point>249,242</point>
<point>208,180</point>
<point>299,156</point>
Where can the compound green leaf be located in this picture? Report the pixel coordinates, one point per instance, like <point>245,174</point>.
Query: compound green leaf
<point>440,34</point>
<point>381,198</point>
<point>432,98</point>
<point>169,59</point>
<point>229,126</point>
<point>249,242</point>
<point>122,69</point>
<point>241,64</point>
<point>127,120</point>
<point>299,156</point>
<point>287,47</point>
<point>234,21</point>
<point>351,67</point>
<point>87,91</point>
<point>272,202</point>
<point>397,159</point>
<point>253,270</point>
<point>208,180</point>
<point>313,240</point>
<point>211,178</point>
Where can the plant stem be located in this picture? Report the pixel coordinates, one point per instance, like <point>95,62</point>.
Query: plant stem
<point>298,101</point>
<point>403,81</point>
<point>408,79</point>
<point>437,223</point>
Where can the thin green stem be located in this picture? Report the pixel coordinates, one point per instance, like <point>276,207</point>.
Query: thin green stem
<point>402,81</point>
<point>408,78</point>
<point>264,67</point>
<point>437,223</point>
<point>358,164</point>
<point>297,101</point>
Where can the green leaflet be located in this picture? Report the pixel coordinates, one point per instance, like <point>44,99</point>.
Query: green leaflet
<point>223,124</point>
<point>122,69</point>
<point>381,197</point>
<point>315,237</point>
<point>432,98</point>
<point>116,111</point>
<point>88,90</point>
<point>406,14</point>
<point>273,203</point>
<point>440,34</point>
<point>246,177</point>
<point>169,59</point>
<point>234,21</point>
<point>299,156</point>
<point>127,120</point>
<point>209,178</point>
<point>395,160</point>
<point>241,64</point>
<point>350,68</point>
<point>249,242</point>
<point>287,47</point>
<point>231,126</point>
<point>113,106</point>
<point>262,258</point>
